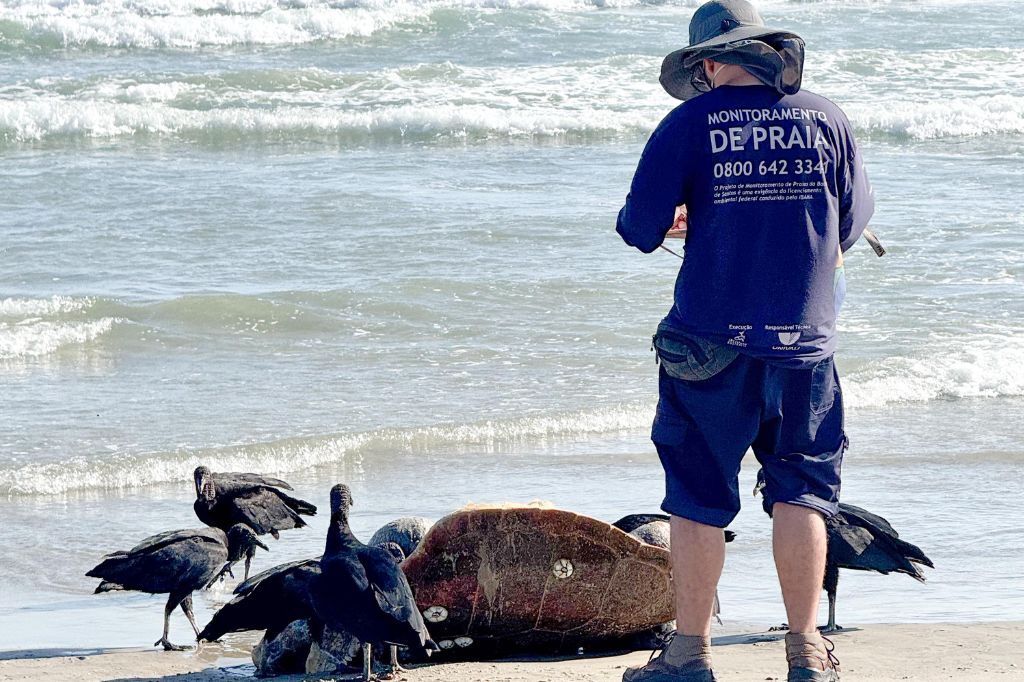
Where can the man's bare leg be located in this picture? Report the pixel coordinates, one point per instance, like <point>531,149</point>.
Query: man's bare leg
<point>799,543</point>
<point>698,554</point>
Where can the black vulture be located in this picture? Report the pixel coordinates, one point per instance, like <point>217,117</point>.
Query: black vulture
<point>274,598</point>
<point>362,591</point>
<point>267,601</point>
<point>862,541</point>
<point>222,500</point>
<point>175,563</point>
<point>227,480</point>
<point>631,522</point>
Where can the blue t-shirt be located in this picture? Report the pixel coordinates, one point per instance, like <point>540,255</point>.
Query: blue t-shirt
<point>774,187</point>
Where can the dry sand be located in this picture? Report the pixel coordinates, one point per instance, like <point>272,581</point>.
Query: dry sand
<point>878,653</point>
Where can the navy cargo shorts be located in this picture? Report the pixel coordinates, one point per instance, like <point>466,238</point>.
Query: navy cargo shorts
<point>714,404</point>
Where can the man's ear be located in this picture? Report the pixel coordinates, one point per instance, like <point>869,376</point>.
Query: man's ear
<point>710,66</point>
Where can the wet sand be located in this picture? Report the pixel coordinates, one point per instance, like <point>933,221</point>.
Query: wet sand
<point>876,653</point>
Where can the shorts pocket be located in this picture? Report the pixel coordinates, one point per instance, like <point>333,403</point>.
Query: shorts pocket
<point>823,386</point>
<point>667,428</point>
<point>688,357</point>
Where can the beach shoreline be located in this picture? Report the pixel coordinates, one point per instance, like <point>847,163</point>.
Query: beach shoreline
<point>879,653</point>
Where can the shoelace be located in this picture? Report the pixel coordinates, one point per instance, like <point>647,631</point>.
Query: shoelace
<point>829,648</point>
<point>814,653</point>
<point>661,649</point>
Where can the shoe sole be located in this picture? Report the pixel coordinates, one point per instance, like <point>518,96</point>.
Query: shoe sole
<point>808,675</point>
<point>701,676</point>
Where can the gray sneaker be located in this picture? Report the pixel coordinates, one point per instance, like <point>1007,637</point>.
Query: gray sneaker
<point>682,659</point>
<point>811,659</point>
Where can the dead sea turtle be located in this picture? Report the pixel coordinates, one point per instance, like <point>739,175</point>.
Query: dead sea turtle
<point>654,530</point>
<point>527,578</point>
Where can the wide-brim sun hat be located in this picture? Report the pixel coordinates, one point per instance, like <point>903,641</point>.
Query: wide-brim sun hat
<point>733,32</point>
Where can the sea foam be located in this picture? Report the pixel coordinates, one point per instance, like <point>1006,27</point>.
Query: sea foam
<point>154,111</point>
<point>37,327</point>
<point>51,117</point>
<point>187,25</point>
<point>945,118</point>
<point>122,471</point>
<point>42,307</point>
<point>37,338</point>
<point>978,368</point>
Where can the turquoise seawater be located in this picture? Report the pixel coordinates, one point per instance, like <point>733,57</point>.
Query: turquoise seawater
<point>372,241</point>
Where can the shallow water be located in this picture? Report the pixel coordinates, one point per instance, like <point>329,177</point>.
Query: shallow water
<point>372,241</point>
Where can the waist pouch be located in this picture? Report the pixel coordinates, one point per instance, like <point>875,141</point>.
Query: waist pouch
<point>687,357</point>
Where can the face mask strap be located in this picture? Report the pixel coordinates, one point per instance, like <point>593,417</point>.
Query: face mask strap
<point>715,76</point>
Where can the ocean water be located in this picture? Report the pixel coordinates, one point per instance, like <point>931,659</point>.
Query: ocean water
<point>372,241</point>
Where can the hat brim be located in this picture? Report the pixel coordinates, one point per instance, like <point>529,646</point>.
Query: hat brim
<point>677,67</point>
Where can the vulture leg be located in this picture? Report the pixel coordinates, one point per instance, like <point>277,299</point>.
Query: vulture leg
<point>832,627</point>
<point>172,603</point>
<point>831,586</point>
<point>367,662</point>
<point>222,575</point>
<point>395,669</point>
<point>186,606</point>
<point>248,560</point>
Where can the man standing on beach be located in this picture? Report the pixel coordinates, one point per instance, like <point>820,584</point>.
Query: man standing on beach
<point>765,184</point>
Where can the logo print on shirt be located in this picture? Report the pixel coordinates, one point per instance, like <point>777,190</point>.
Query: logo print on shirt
<point>789,338</point>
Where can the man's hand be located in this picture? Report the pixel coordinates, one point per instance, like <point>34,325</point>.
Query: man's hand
<point>678,229</point>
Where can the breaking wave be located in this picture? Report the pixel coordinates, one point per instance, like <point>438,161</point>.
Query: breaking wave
<point>974,372</point>
<point>188,24</point>
<point>129,471</point>
<point>192,24</point>
<point>584,99</point>
<point>979,369</point>
<point>33,328</point>
<point>460,109</point>
<point>60,118</point>
<point>978,116</point>
<point>42,307</point>
<point>39,338</point>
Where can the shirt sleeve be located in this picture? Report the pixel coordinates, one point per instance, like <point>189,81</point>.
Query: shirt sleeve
<point>658,187</point>
<point>856,197</point>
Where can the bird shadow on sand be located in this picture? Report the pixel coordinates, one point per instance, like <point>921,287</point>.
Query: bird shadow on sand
<point>240,673</point>
<point>770,636</point>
